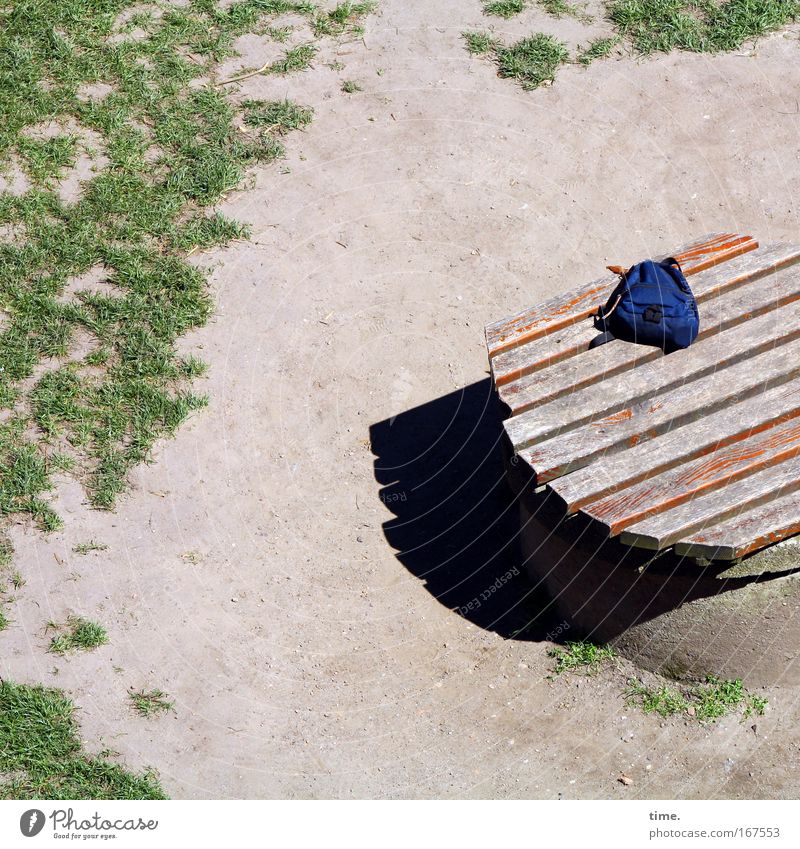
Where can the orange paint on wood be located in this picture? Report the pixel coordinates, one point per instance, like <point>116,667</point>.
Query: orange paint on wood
<point>715,253</point>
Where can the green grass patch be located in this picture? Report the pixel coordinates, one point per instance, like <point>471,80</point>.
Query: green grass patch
<point>350,87</point>
<point>712,699</point>
<point>700,26</point>
<point>6,552</point>
<point>44,159</point>
<point>151,702</point>
<point>77,634</point>
<point>480,43</point>
<point>41,755</point>
<point>279,115</point>
<point>343,19</point>
<point>597,49</point>
<point>504,8</point>
<point>3,620</point>
<point>86,547</point>
<point>173,148</point>
<point>533,60</point>
<point>647,26</point>
<point>560,9</point>
<point>296,59</point>
<point>583,656</point>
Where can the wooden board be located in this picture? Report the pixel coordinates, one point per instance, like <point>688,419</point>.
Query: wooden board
<point>666,528</point>
<point>550,348</point>
<point>716,349</point>
<point>746,532</point>
<point>564,310</point>
<point>523,388</point>
<point>659,450</point>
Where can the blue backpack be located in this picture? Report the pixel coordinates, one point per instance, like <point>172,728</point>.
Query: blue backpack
<point>651,305</point>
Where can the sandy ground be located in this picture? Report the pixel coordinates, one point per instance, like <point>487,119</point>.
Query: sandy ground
<point>288,567</point>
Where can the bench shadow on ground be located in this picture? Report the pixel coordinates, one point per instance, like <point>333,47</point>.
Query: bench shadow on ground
<point>456,524</point>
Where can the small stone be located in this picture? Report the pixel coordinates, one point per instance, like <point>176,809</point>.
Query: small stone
<point>359,539</point>
<point>625,779</point>
<point>234,600</point>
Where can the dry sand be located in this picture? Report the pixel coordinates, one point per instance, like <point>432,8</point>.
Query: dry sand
<point>302,622</point>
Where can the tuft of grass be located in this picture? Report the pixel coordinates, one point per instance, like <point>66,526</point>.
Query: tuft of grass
<point>755,705</point>
<point>665,701</point>
<point>24,476</point>
<point>41,755</point>
<point>560,8</point>
<point>17,581</point>
<point>150,702</point>
<point>44,159</point>
<point>533,60</point>
<point>281,116</point>
<point>86,547</point>
<point>580,655</point>
<point>296,59</point>
<point>504,8</point>
<point>700,26</point>
<point>350,87</point>
<point>480,43</point>
<point>78,634</point>
<point>6,549</point>
<point>343,19</point>
<point>597,49</point>
<point>709,701</point>
<point>3,620</point>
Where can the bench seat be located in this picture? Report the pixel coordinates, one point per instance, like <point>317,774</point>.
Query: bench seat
<point>698,451</point>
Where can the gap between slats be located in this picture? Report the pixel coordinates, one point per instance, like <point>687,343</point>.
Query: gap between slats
<point>625,356</point>
<point>532,357</point>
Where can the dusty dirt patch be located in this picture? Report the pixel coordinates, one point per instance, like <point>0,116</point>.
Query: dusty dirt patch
<point>302,622</point>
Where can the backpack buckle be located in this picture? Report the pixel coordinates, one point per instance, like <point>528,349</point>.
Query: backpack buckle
<point>653,313</point>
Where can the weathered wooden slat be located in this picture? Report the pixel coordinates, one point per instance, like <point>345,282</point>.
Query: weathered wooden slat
<point>710,353</point>
<point>564,310</point>
<point>612,473</point>
<point>568,341</point>
<point>713,471</point>
<point>664,529</point>
<point>645,420</point>
<point>746,532</point>
<point>607,404</point>
<point>589,367</point>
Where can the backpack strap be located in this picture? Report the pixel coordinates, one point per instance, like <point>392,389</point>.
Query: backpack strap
<point>603,315</point>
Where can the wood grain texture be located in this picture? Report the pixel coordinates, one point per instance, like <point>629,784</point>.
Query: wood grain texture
<point>747,531</point>
<point>646,420</point>
<point>614,472</point>
<point>689,450</point>
<point>713,471</point>
<point>579,303</point>
<point>523,386</point>
<point>712,352</point>
<point>602,400</point>
<point>565,342</point>
<point>667,528</point>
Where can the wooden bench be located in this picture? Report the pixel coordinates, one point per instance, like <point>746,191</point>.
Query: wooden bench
<point>698,451</point>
